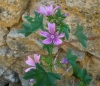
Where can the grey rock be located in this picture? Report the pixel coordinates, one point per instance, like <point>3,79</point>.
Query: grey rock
<point>25,82</point>
<point>9,75</point>
<point>17,41</point>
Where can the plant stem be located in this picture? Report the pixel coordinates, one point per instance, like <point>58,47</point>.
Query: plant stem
<point>51,64</point>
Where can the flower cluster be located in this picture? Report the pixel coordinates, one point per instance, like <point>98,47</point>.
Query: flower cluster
<point>52,34</point>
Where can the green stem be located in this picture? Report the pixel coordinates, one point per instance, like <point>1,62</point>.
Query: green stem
<point>51,64</point>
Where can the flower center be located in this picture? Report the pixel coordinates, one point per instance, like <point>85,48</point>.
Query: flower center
<point>52,37</point>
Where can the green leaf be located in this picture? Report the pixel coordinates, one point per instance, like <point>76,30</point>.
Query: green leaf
<point>64,28</point>
<point>29,19</point>
<point>27,25</point>
<point>29,75</point>
<point>38,21</point>
<point>87,79</point>
<point>83,75</point>
<point>75,67</point>
<point>70,56</point>
<point>80,35</point>
<point>60,29</point>
<point>78,72</point>
<point>72,60</point>
<point>58,13</point>
<point>33,24</point>
<point>27,29</point>
<point>36,13</point>
<point>42,77</point>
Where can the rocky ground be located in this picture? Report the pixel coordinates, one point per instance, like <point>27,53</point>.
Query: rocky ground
<point>15,47</point>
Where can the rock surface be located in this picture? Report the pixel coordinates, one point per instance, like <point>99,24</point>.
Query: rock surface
<point>3,34</point>
<point>14,47</point>
<point>11,11</point>
<point>8,76</point>
<point>87,13</point>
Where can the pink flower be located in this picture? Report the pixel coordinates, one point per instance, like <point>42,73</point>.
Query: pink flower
<point>32,62</point>
<point>52,36</point>
<point>48,10</point>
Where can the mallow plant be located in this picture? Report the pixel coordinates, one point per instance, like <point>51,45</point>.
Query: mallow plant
<point>52,33</point>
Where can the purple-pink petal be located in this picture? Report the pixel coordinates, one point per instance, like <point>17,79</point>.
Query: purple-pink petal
<point>28,69</point>
<point>32,80</point>
<point>44,33</point>
<point>51,28</point>
<point>64,60</point>
<point>42,10</point>
<point>36,58</point>
<point>57,41</point>
<point>57,7</point>
<point>49,10</point>
<point>61,35</point>
<point>30,62</point>
<point>47,41</point>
